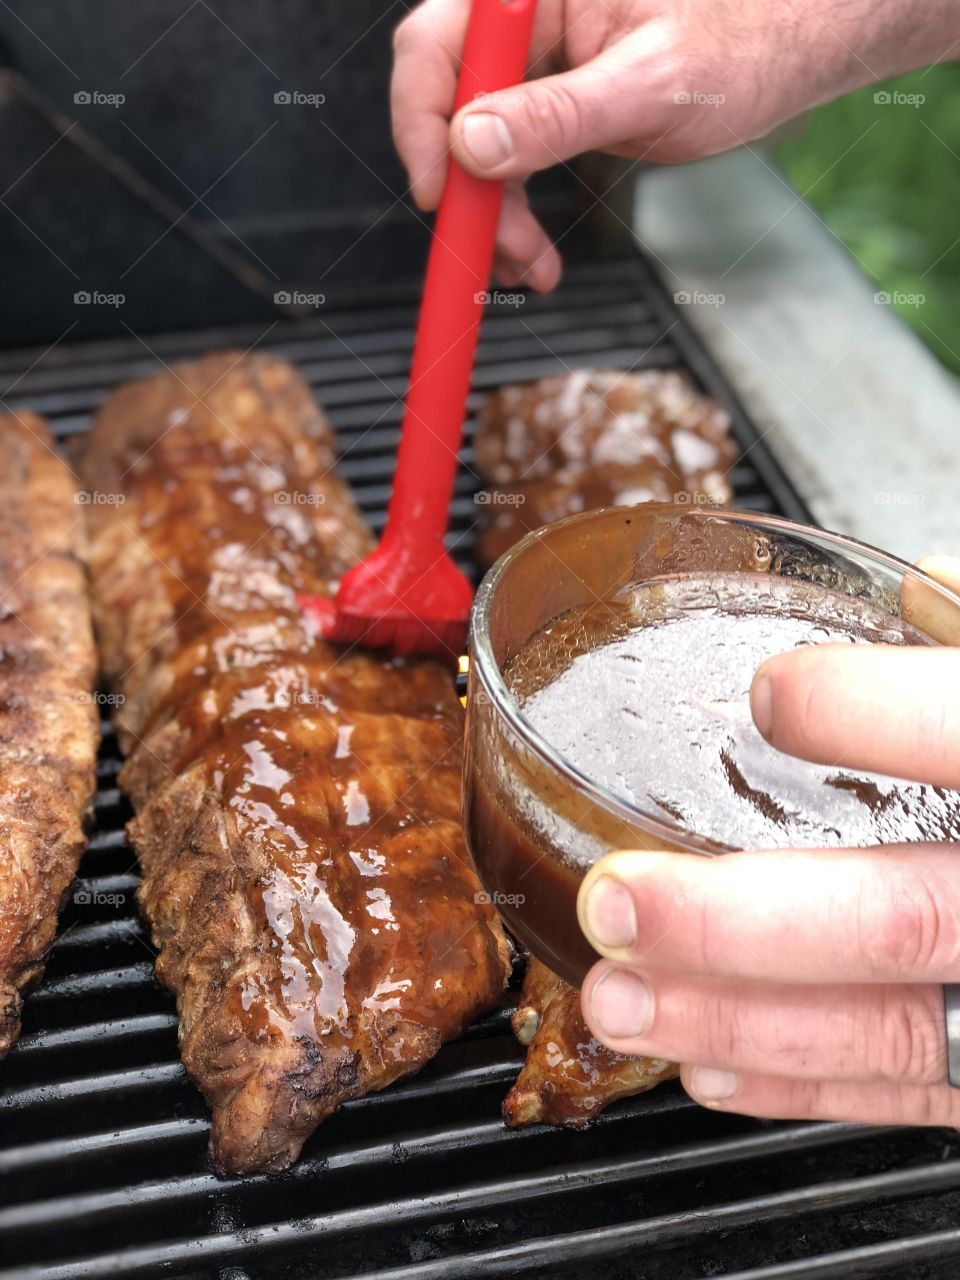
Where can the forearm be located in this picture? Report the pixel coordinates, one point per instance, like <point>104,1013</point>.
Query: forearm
<point>659,80</point>
<point>848,44</point>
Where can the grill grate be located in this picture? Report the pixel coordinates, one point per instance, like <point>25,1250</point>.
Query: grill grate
<point>102,1136</point>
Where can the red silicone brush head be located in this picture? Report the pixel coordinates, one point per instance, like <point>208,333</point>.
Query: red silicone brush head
<point>408,596</point>
<point>389,602</point>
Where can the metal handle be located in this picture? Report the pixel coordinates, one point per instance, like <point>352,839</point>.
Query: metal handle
<point>951,1009</point>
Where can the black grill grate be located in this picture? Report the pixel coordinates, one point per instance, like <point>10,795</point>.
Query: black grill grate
<point>102,1137</point>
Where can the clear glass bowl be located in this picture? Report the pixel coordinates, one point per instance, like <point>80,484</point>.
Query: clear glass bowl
<point>534,822</point>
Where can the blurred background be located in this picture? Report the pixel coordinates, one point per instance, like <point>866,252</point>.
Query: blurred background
<point>893,199</point>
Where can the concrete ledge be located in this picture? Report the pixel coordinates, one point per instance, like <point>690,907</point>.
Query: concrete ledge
<point>860,414</point>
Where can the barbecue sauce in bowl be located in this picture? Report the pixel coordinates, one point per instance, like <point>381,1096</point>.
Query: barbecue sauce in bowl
<point>644,699</point>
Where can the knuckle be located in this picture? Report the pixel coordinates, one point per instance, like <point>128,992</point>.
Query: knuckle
<point>809,716</point>
<point>906,1045</point>
<point>694,918</point>
<point>720,1031</point>
<point>936,1107</point>
<point>406,30</point>
<point>936,731</point>
<point>809,1099</point>
<point>946,1107</point>
<point>904,932</point>
<point>553,112</point>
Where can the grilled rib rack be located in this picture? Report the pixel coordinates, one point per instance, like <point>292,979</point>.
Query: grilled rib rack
<point>103,1138</point>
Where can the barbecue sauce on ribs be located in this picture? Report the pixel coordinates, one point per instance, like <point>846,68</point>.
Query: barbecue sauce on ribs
<point>298,805</point>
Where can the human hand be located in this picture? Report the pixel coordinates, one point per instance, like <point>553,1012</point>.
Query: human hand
<point>801,984</point>
<point>664,80</point>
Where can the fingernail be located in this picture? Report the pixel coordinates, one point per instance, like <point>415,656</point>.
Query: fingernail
<point>622,1004</point>
<point>487,138</point>
<point>709,1085</point>
<point>761,704</point>
<point>609,914</point>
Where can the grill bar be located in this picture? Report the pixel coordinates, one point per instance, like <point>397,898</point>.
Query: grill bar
<point>902,1256</point>
<point>535,1257</point>
<point>71,1037</point>
<point>513,1191</point>
<point>102,1136</point>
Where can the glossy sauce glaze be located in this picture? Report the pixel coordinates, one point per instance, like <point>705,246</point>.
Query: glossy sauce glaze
<point>594,438</point>
<point>321,893</point>
<point>569,1077</point>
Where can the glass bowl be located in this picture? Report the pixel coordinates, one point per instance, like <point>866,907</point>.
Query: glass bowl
<point>535,823</point>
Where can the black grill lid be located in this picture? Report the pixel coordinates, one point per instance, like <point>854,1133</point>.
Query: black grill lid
<point>103,1138</point>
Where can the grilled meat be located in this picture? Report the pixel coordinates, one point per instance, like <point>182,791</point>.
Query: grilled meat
<point>298,806</point>
<point>553,448</point>
<point>596,438</point>
<point>48,718</point>
<point>569,1076</point>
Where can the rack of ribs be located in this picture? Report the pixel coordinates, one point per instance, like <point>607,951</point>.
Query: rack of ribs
<point>596,438</point>
<point>304,869</point>
<point>570,443</point>
<point>49,726</point>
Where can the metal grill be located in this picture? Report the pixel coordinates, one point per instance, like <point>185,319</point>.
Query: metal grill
<point>102,1136</point>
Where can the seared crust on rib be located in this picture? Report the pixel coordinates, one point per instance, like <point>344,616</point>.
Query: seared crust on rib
<point>596,438</point>
<point>48,717</point>
<point>304,869</point>
<point>569,1076</point>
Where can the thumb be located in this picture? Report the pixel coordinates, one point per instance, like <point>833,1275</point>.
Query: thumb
<point>518,131</point>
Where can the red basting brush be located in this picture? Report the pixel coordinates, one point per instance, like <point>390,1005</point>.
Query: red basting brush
<point>408,595</point>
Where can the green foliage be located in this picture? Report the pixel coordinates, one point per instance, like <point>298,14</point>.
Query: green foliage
<point>885,177</point>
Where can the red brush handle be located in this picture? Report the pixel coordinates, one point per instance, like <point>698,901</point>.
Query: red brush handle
<point>461,256</point>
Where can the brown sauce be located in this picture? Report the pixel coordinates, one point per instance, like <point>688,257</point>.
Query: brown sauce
<point>647,697</point>
<point>337,771</point>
